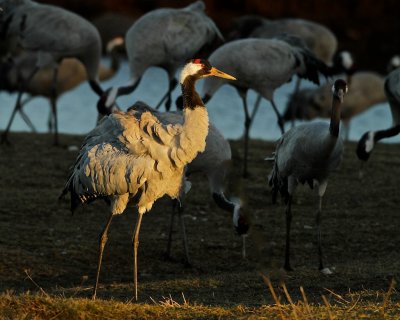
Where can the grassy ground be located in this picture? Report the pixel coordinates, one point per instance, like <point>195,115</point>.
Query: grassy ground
<point>48,257</point>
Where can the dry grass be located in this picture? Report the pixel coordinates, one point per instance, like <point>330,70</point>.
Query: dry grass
<point>48,257</point>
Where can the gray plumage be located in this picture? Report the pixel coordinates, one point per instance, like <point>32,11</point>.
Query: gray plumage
<point>165,38</point>
<point>262,65</point>
<point>214,162</point>
<point>134,156</point>
<point>71,73</point>
<point>318,38</point>
<point>308,153</point>
<point>366,90</point>
<point>369,139</point>
<point>52,33</point>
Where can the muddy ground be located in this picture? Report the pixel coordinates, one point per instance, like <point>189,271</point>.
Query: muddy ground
<point>44,247</point>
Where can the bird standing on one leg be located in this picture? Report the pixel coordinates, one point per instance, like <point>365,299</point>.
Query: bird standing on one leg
<point>126,157</point>
<point>308,153</point>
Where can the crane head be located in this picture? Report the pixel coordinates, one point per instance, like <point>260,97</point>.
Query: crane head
<point>339,89</point>
<point>201,68</point>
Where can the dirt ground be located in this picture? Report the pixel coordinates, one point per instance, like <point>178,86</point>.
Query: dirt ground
<point>44,247</point>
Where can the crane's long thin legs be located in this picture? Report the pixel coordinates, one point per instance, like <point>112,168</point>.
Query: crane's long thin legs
<point>54,104</point>
<point>135,242</point>
<point>23,85</point>
<point>278,115</point>
<point>171,86</point>
<point>24,116</point>
<point>171,229</point>
<point>182,231</point>
<point>183,234</point>
<point>247,124</point>
<point>294,109</point>
<point>318,223</point>
<point>102,244</point>
<point>288,225</point>
<point>256,106</point>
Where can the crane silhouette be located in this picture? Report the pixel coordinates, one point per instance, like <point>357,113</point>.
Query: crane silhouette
<point>308,153</point>
<point>366,90</point>
<point>262,65</point>
<point>214,162</point>
<point>71,73</point>
<point>368,140</point>
<point>318,38</point>
<point>53,33</point>
<point>126,157</point>
<point>163,38</point>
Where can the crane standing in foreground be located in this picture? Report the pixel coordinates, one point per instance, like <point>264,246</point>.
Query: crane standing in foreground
<point>368,140</point>
<point>214,162</point>
<point>53,34</point>
<point>71,73</point>
<point>308,153</point>
<point>163,38</point>
<point>126,157</point>
<point>262,65</point>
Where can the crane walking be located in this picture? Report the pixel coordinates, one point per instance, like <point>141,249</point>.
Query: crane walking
<point>262,65</point>
<point>71,73</point>
<point>308,153</point>
<point>163,38</point>
<point>126,157</point>
<point>53,34</point>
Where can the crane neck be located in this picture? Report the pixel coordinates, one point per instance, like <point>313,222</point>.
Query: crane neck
<point>191,98</point>
<point>335,117</point>
<point>391,132</point>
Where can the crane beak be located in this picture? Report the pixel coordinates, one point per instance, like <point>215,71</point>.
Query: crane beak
<point>217,73</point>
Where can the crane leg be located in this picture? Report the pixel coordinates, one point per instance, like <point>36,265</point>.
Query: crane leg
<point>295,92</point>
<point>183,234</point>
<point>318,223</point>
<point>23,85</point>
<point>288,212</point>
<point>281,123</point>
<point>24,116</point>
<point>256,106</point>
<point>247,125</point>
<point>102,244</point>
<point>135,242</point>
<point>53,101</point>
<point>172,84</point>
<point>171,227</point>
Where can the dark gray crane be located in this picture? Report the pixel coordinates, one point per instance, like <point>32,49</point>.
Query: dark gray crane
<point>262,65</point>
<point>308,153</point>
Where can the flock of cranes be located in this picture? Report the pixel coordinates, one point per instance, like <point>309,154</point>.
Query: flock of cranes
<point>142,154</point>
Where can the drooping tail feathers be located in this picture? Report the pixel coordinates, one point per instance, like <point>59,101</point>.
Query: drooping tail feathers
<point>313,67</point>
<point>277,183</point>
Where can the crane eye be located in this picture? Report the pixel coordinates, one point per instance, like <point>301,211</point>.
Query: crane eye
<point>197,61</point>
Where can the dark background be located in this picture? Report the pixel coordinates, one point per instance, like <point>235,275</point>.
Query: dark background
<point>367,28</point>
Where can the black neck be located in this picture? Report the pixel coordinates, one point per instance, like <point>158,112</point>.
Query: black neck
<point>335,117</point>
<point>393,131</point>
<point>223,202</point>
<point>191,99</point>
